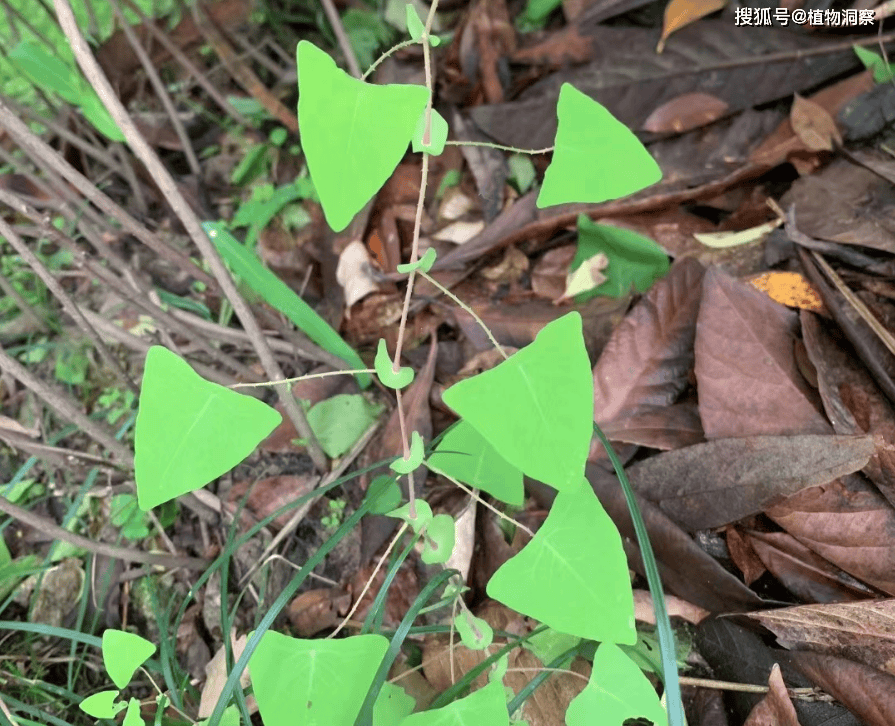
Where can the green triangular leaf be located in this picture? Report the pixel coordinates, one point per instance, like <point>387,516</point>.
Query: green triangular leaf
<point>573,575</point>
<point>634,260</point>
<point>313,681</point>
<point>392,706</point>
<point>485,707</point>
<point>185,434</point>
<point>133,717</point>
<point>123,653</point>
<point>353,133</point>
<point>596,158</point>
<point>617,691</point>
<point>536,408</point>
<point>465,455</point>
<point>102,705</point>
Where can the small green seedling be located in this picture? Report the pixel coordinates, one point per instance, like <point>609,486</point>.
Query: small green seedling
<point>336,511</point>
<point>123,653</point>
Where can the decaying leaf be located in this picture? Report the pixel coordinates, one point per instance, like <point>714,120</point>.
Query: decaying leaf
<point>355,273</point>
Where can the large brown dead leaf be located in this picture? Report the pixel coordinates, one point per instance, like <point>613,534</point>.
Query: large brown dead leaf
<point>648,358</point>
<point>748,380</point>
<point>671,427</point>
<point>845,203</point>
<point>713,484</point>
<point>861,631</point>
<point>865,691</point>
<point>853,402</point>
<point>739,655</point>
<point>803,572</point>
<point>517,324</point>
<point>687,570</point>
<point>847,522</point>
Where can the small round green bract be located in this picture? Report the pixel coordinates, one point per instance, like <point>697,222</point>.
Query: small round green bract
<point>385,493</point>
<point>423,264</point>
<point>387,375</point>
<point>437,136</point>
<point>406,466</point>
<point>439,540</point>
<point>415,26</point>
<point>423,513</point>
<point>475,633</point>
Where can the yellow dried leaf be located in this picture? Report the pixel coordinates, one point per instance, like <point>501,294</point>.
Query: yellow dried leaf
<point>788,288</point>
<point>680,13</point>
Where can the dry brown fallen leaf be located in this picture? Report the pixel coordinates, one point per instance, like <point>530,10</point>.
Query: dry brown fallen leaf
<point>776,708</point>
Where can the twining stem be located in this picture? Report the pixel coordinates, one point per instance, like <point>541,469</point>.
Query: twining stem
<point>500,147</point>
<point>308,377</point>
<point>468,309</point>
<point>387,53</point>
<point>414,250</point>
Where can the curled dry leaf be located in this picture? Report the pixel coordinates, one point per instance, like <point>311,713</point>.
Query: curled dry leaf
<point>802,572</point>
<point>776,708</point>
<point>355,273</point>
<point>216,676</point>
<point>677,608</point>
<point>861,631</point>
<point>744,556</point>
<point>680,13</point>
<point>849,523</point>
<point>813,125</point>
<point>586,277</point>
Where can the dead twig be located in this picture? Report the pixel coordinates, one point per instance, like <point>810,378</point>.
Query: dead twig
<point>166,184</point>
<point>53,530</point>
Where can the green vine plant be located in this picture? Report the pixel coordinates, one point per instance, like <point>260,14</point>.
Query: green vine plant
<point>530,415</point>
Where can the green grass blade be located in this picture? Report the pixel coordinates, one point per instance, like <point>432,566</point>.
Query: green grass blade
<point>663,624</point>
<point>366,713</point>
<point>275,292</point>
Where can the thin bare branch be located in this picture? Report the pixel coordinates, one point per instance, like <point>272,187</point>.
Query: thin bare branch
<point>166,184</point>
